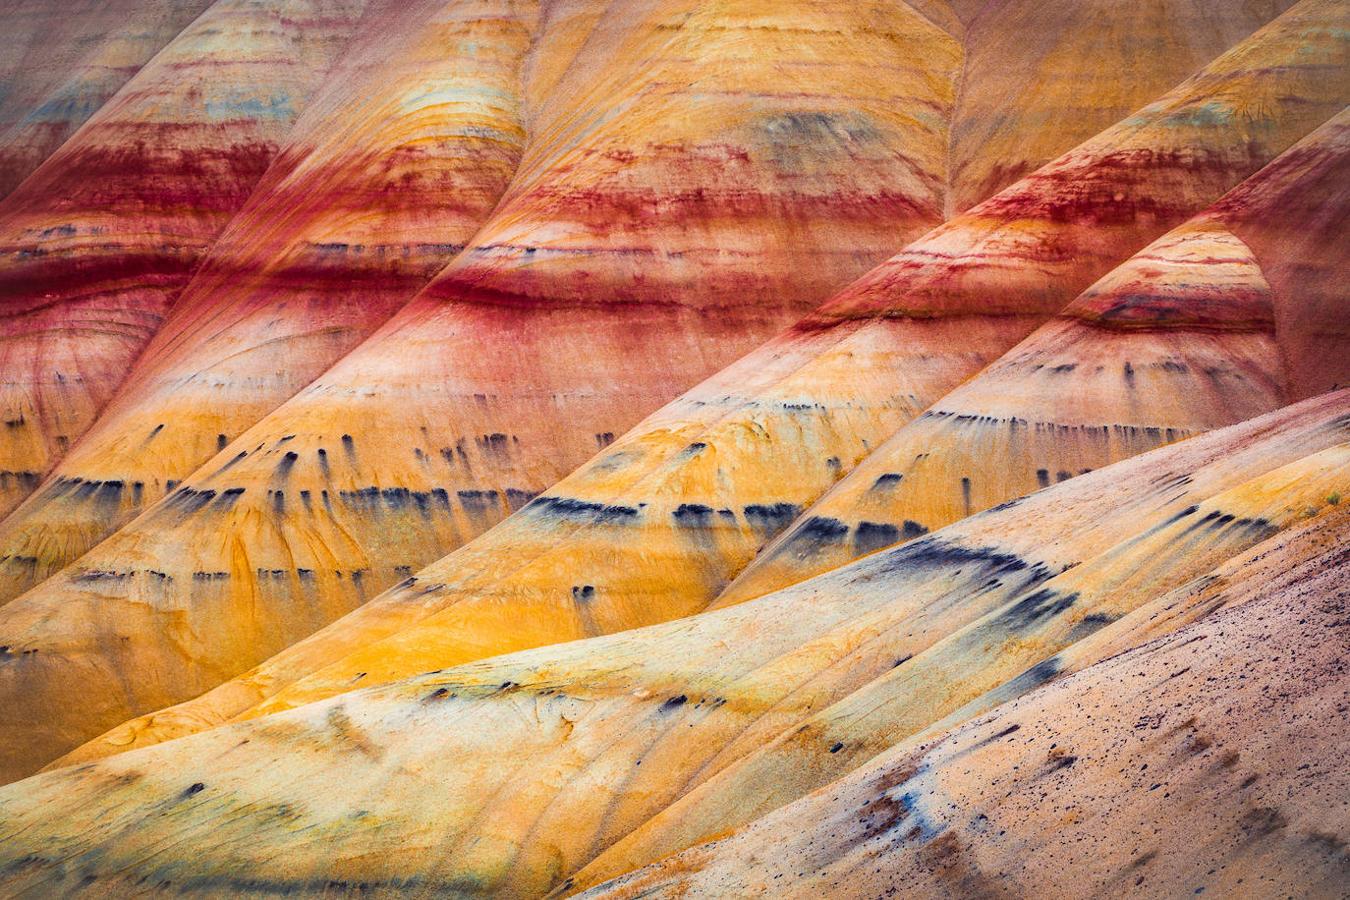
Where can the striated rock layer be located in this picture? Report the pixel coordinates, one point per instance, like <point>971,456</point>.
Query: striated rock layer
<point>398,160</point>
<point>60,62</point>
<point>335,560</point>
<point>626,748</point>
<point>71,515</point>
<point>655,527</point>
<point>1203,761</point>
<point>98,242</point>
<point>1035,71</point>
<point>1178,340</point>
<point>638,248</point>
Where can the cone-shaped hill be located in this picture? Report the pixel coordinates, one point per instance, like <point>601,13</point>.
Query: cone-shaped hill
<point>98,242</point>
<point>655,527</point>
<point>587,759</point>
<point>398,160</point>
<point>1178,340</point>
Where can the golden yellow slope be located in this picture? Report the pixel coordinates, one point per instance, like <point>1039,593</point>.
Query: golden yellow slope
<point>655,527</point>
<point>1201,762</point>
<point>1179,339</point>
<point>506,776</point>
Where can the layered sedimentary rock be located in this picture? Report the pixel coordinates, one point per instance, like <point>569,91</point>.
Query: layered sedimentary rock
<point>60,62</point>
<point>628,747</point>
<point>1201,762</point>
<point>98,242</point>
<point>949,657</point>
<point>49,535</point>
<point>639,247</point>
<point>1308,269</point>
<point>397,161</point>
<point>1019,566</point>
<point>1178,340</point>
<point>1034,70</point>
<point>655,527</point>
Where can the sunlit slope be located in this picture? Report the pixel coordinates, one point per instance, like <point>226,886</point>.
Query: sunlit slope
<point>1241,578</point>
<point>397,161</point>
<point>1203,761</point>
<point>960,656</point>
<point>262,263</point>
<point>656,527</point>
<point>98,242</point>
<point>60,62</point>
<point>506,776</point>
<point>640,247</point>
<point>1178,340</point>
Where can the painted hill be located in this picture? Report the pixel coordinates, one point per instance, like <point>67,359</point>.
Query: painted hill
<point>61,62</point>
<point>656,526</point>
<point>1177,742</point>
<point>99,241</point>
<point>431,431</point>
<point>528,448</point>
<point>1178,340</point>
<point>628,747</point>
<point>399,159</point>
